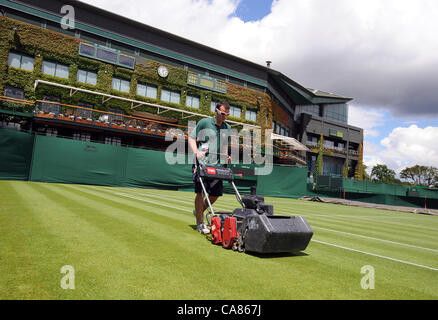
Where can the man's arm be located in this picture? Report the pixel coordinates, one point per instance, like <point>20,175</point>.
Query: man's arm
<point>194,147</point>
<point>224,147</point>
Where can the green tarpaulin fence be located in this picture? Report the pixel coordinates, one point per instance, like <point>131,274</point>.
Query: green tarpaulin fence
<point>284,181</point>
<point>25,156</point>
<point>15,154</point>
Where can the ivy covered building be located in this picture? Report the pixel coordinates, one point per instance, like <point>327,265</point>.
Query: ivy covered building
<point>116,81</point>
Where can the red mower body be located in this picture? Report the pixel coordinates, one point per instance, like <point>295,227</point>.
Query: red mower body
<point>229,234</point>
<point>216,234</point>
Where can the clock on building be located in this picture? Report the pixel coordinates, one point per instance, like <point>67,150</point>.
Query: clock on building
<point>162,71</point>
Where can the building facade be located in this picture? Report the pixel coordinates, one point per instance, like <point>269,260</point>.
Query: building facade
<point>117,81</point>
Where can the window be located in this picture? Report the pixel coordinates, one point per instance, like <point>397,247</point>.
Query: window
<point>235,111</point>
<point>329,144</point>
<point>86,49</point>
<point>55,69</point>
<point>50,107</point>
<point>281,130</point>
<point>20,61</point>
<point>51,132</point>
<point>87,114</point>
<point>82,136</point>
<point>312,140</point>
<point>147,90</point>
<point>336,112</point>
<point>251,115</point>
<point>13,92</point>
<point>106,55</point>
<point>192,101</point>
<point>170,96</point>
<point>86,76</point>
<point>113,140</point>
<point>121,85</point>
<point>127,61</point>
<point>112,117</point>
<point>213,106</point>
<point>309,109</point>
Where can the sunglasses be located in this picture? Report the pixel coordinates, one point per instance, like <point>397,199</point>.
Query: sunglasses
<point>222,113</point>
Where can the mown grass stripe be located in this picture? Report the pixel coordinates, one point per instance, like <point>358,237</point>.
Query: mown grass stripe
<point>142,199</point>
<point>192,267</point>
<point>377,239</point>
<point>376,255</point>
<point>349,225</point>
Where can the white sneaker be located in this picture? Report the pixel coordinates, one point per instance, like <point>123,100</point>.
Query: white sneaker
<point>202,229</point>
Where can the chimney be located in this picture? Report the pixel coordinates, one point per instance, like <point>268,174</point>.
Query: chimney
<point>268,63</point>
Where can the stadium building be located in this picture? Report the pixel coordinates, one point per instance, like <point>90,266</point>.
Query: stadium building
<point>116,81</point>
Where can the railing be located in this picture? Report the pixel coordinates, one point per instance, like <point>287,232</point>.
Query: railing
<point>104,119</point>
<point>53,110</point>
<point>312,145</point>
<point>17,105</point>
<point>288,153</point>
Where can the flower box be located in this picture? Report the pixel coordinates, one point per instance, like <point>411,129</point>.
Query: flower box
<point>65,118</point>
<point>84,121</point>
<point>101,124</point>
<point>117,126</point>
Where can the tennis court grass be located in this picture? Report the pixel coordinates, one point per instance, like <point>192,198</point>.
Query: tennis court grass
<point>128,243</point>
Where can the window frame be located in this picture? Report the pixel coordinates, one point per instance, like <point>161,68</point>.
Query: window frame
<point>147,87</point>
<point>57,64</point>
<point>233,108</point>
<point>170,96</point>
<point>193,98</point>
<point>87,72</point>
<point>21,60</point>
<point>251,112</point>
<point>121,80</point>
<point>14,89</point>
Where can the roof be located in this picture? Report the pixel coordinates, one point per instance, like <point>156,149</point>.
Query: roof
<point>320,93</point>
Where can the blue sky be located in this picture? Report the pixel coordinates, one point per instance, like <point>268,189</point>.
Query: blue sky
<point>253,10</point>
<point>381,53</point>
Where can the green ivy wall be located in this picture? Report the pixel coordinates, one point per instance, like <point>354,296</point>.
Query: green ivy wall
<point>43,44</point>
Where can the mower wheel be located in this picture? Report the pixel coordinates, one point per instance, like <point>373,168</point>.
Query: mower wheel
<point>241,241</point>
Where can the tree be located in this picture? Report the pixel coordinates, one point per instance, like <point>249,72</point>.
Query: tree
<point>420,175</point>
<point>319,160</point>
<point>381,173</point>
<point>366,176</point>
<point>345,169</point>
<point>358,174</point>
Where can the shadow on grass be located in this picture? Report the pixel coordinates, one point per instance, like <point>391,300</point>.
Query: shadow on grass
<point>262,255</point>
<point>276,255</point>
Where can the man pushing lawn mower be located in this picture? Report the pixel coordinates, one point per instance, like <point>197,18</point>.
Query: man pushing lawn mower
<point>251,228</point>
<point>207,140</point>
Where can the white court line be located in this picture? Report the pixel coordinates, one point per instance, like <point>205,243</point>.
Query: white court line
<point>315,227</point>
<point>376,255</point>
<point>377,239</point>
<point>330,230</point>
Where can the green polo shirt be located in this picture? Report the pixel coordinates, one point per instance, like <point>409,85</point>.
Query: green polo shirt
<point>207,131</point>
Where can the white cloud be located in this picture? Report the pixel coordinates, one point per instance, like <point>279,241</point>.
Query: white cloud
<point>381,53</point>
<point>366,118</point>
<point>405,147</point>
<point>378,52</point>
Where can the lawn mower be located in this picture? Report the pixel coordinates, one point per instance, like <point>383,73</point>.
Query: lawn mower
<point>253,227</point>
